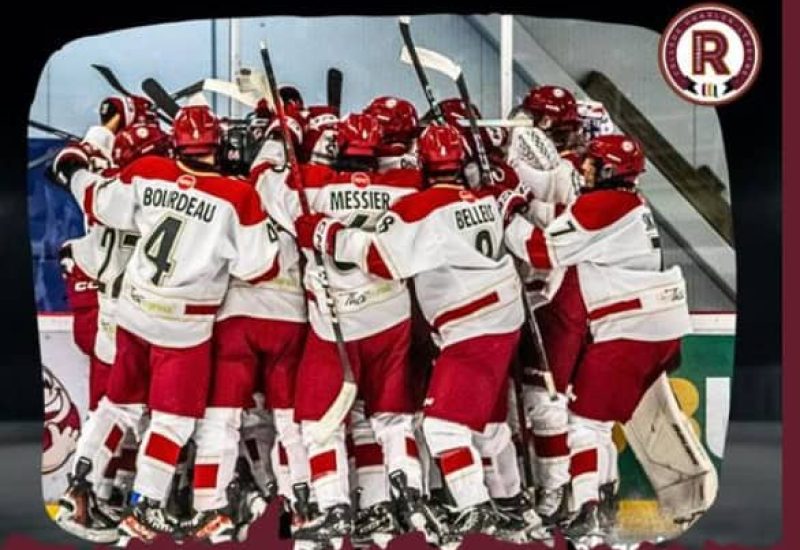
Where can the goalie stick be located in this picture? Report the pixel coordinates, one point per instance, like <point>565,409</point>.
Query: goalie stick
<point>338,411</point>
<point>334,89</point>
<point>442,64</point>
<point>114,82</point>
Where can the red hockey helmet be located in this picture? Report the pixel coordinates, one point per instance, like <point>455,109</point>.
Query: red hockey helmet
<point>398,117</point>
<point>358,135</point>
<point>196,131</point>
<point>132,110</point>
<point>441,149</point>
<point>616,157</point>
<point>139,140</point>
<point>552,106</point>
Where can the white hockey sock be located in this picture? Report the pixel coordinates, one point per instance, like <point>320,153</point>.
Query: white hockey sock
<point>395,434</point>
<point>371,473</point>
<point>103,433</point>
<point>460,463</point>
<point>294,450</point>
<point>499,458</point>
<point>280,467</point>
<point>328,466</point>
<point>585,436</point>
<point>550,422</point>
<point>159,453</point>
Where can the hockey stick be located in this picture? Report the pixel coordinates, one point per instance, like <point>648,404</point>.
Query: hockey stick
<point>411,54</point>
<point>160,97</point>
<point>437,62</point>
<point>516,376</point>
<point>51,130</point>
<point>221,87</point>
<point>338,411</point>
<point>114,82</point>
<point>334,89</point>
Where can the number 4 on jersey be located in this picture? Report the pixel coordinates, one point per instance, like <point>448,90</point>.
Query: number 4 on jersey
<point>159,247</point>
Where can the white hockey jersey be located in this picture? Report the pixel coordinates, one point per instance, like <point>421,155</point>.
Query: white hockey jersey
<point>366,304</point>
<point>197,230</point>
<point>611,237</point>
<point>450,240</point>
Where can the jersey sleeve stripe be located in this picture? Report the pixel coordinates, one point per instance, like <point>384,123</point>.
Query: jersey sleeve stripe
<point>537,250</point>
<point>375,263</point>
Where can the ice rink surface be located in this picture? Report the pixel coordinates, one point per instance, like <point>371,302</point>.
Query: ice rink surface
<point>747,511</point>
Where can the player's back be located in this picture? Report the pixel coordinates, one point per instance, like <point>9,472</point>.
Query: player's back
<point>473,287</point>
<point>197,229</point>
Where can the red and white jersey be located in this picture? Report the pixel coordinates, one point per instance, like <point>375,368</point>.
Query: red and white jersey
<point>366,304</point>
<point>282,297</point>
<point>450,240</point>
<point>197,230</point>
<point>611,237</point>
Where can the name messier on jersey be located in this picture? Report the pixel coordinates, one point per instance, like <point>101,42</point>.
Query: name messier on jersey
<point>361,199</point>
<point>474,215</point>
<point>180,202</point>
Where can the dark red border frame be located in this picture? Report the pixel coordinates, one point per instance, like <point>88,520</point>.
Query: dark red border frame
<point>264,536</point>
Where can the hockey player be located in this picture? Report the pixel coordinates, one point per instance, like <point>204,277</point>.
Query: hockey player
<point>374,316</point>
<point>635,310</point>
<point>171,291</point>
<point>259,336</point>
<point>546,166</point>
<point>448,239</point>
<point>399,121</point>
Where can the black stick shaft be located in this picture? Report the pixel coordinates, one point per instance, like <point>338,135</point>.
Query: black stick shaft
<point>405,31</point>
<point>51,130</point>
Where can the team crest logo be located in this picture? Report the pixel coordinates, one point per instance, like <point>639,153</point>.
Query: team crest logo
<point>186,181</point>
<point>710,54</point>
<point>360,179</point>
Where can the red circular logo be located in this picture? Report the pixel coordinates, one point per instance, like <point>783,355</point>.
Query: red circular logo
<point>360,179</point>
<point>186,181</point>
<point>710,54</point>
<point>466,195</point>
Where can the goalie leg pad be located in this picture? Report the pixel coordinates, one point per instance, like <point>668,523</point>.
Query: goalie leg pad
<point>671,454</point>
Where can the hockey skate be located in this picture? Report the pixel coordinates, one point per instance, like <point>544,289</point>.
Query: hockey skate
<point>145,521</point>
<point>214,526</point>
<point>328,529</point>
<point>481,518</point>
<point>585,530</point>
<point>79,511</point>
<point>414,512</point>
<point>520,523</point>
<point>552,505</point>
<point>375,525</point>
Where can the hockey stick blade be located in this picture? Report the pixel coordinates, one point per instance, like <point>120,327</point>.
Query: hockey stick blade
<point>334,86</point>
<point>191,89</point>
<point>160,97</point>
<point>432,60</point>
<point>322,430</point>
<point>112,79</point>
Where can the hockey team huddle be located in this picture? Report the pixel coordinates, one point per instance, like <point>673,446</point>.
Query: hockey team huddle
<point>481,294</point>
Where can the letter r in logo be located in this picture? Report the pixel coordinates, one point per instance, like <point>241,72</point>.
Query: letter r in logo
<point>709,47</point>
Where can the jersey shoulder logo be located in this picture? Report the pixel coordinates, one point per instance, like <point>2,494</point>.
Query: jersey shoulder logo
<point>360,179</point>
<point>186,181</point>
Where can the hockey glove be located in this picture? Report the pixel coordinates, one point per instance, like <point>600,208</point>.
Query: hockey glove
<point>511,203</point>
<point>69,160</point>
<point>317,231</point>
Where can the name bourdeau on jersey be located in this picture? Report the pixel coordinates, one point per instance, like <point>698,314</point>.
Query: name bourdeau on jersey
<point>612,239</point>
<point>449,240</point>
<point>197,230</point>
<point>366,304</point>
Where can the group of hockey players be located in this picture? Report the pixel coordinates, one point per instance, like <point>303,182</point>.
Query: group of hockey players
<point>224,307</point>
